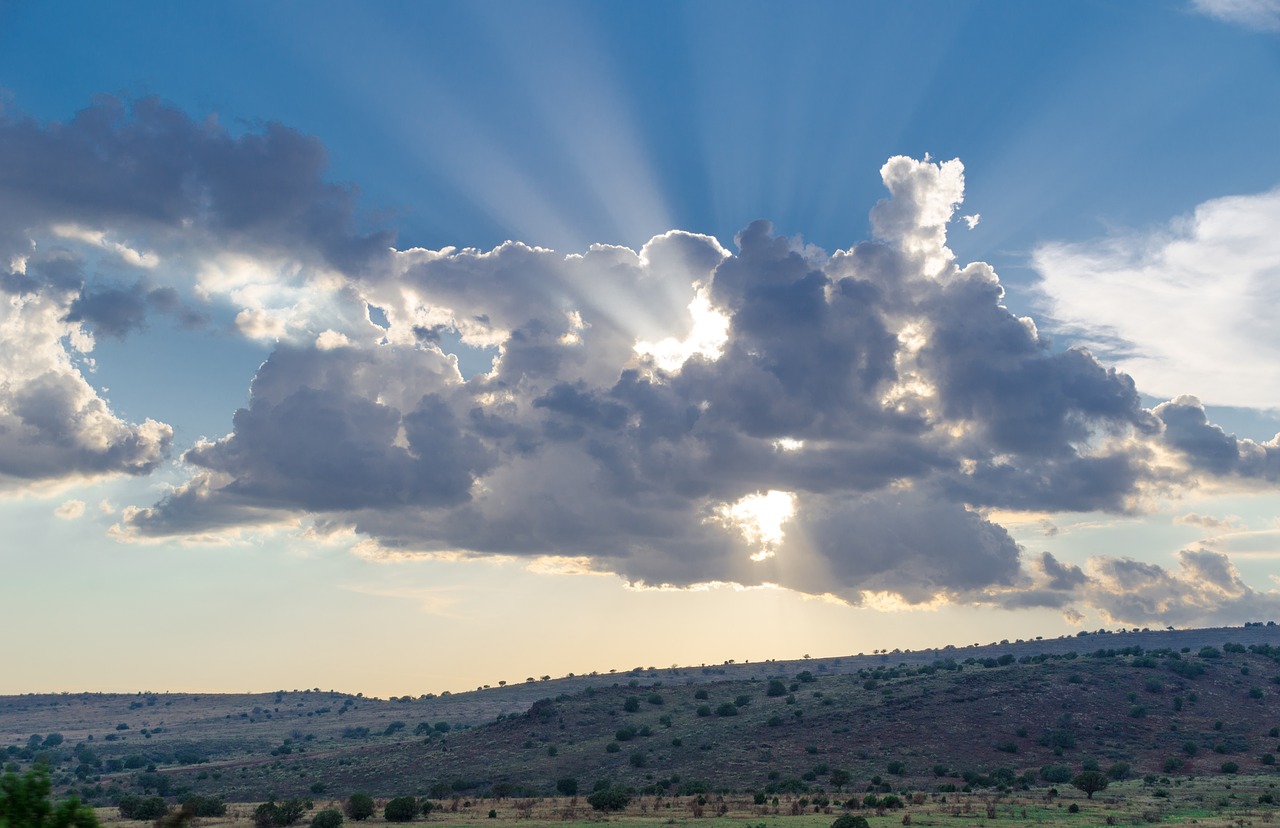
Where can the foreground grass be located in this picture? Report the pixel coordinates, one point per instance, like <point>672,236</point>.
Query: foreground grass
<point>1206,802</point>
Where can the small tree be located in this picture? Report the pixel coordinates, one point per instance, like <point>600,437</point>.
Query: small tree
<point>567,786</point>
<point>359,806</point>
<point>1090,782</point>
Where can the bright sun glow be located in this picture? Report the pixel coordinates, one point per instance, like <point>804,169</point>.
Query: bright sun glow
<point>707,337</point>
<point>759,517</point>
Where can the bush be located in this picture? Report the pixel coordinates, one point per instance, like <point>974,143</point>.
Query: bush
<point>777,688</point>
<point>143,809</point>
<point>400,809</point>
<point>897,768</point>
<point>704,710</point>
<point>1055,773</point>
<point>612,798</point>
<point>850,821</point>
<point>612,747</point>
<point>1230,767</point>
<point>1073,808</point>
<point>655,698</point>
<point>631,705</point>
<point>204,806</point>
<point>359,806</point>
<point>727,709</point>
<point>567,786</point>
<point>701,695</point>
<point>272,815</point>
<point>330,818</point>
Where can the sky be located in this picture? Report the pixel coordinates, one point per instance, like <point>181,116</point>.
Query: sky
<point>415,347</point>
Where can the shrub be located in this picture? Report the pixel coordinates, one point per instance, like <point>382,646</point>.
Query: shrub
<point>359,806</point>
<point>143,809</point>
<point>204,806</point>
<point>704,710</point>
<point>701,695</point>
<point>1255,692</point>
<point>655,698</point>
<point>776,688</point>
<point>727,709</point>
<point>637,759</point>
<point>567,786</point>
<point>612,798</point>
<point>400,809</point>
<point>1172,764</point>
<point>269,814</point>
<point>631,705</point>
<point>612,747</point>
<point>897,768</point>
<point>850,821</point>
<point>1230,767</point>
<point>1073,808</point>
<point>1055,773</point>
<point>624,734</point>
<point>329,818</point>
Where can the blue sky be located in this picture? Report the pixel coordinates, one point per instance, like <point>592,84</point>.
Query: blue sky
<point>206,209</point>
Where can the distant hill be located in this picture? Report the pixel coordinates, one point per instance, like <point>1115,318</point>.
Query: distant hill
<point>1007,714</point>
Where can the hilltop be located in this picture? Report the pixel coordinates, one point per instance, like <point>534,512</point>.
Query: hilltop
<point>1003,715</point>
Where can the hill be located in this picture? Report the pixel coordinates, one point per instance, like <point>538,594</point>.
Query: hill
<point>1004,715</point>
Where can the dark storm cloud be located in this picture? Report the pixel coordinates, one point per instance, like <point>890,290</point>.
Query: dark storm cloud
<point>115,311</point>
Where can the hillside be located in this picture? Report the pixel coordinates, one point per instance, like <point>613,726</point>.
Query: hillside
<point>985,716</point>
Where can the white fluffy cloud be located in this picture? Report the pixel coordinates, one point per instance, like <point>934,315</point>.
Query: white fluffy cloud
<point>1187,309</point>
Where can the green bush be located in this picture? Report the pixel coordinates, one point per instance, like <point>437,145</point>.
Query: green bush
<point>329,818</point>
<point>204,806</point>
<point>143,809</point>
<point>704,710</point>
<point>567,786</point>
<point>272,815</point>
<point>776,688</point>
<point>400,809</point>
<point>631,705</point>
<point>359,806</point>
<point>727,709</point>
<point>612,798</point>
<point>1230,767</point>
<point>850,821</point>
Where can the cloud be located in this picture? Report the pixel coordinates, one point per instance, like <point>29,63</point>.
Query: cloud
<point>681,414</point>
<point>1207,590</point>
<point>1263,15</point>
<point>70,510</point>
<point>832,435</point>
<point>1207,447</point>
<point>53,424</point>
<point>1208,522</point>
<point>1184,309</point>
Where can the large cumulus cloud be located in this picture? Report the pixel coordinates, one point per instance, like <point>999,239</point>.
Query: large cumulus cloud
<point>681,414</point>
<point>876,396</point>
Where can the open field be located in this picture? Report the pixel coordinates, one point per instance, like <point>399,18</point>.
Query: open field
<point>1206,802</point>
